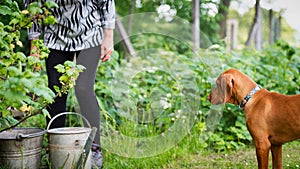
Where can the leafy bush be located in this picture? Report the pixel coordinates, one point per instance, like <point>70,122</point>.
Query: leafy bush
<point>131,108</point>
<point>23,87</point>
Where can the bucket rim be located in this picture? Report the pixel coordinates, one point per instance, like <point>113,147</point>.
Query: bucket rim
<point>16,133</point>
<point>68,130</point>
<point>67,113</point>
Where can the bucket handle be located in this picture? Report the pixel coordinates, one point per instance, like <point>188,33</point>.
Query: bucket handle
<point>66,113</point>
<point>21,136</point>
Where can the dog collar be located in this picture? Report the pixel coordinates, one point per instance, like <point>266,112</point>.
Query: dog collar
<point>248,97</point>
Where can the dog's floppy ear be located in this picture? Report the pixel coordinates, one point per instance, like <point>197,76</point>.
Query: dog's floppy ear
<point>226,85</point>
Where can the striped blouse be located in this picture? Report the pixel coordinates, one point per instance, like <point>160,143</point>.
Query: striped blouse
<point>79,26</point>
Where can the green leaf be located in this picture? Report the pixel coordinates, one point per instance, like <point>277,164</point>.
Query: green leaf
<point>13,71</point>
<point>14,6</point>
<point>51,4</point>
<point>63,78</point>
<point>14,96</point>
<point>29,84</point>
<point>5,10</point>
<point>56,88</point>
<point>14,21</point>
<point>43,55</point>
<point>69,72</point>
<point>35,8</point>
<point>69,64</point>
<point>46,93</point>
<point>46,113</point>
<point>50,20</point>
<point>60,68</point>
<point>4,54</point>
<point>32,60</point>
<point>11,120</point>
<point>21,56</point>
<point>5,112</point>
<point>81,67</point>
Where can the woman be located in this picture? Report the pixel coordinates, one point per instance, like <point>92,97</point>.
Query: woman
<point>84,29</point>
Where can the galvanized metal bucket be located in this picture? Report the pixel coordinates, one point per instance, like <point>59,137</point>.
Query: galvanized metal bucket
<point>21,148</point>
<point>66,144</point>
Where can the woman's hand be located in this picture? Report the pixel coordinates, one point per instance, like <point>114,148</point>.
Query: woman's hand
<point>107,45</point>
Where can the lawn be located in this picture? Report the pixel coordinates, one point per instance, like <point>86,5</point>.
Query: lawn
<point>241,159</point>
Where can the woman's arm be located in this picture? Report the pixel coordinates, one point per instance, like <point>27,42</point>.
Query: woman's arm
<point>108,15</point>
<point>107,45</point>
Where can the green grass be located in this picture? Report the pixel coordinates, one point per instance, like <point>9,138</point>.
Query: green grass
<point>179,158</point>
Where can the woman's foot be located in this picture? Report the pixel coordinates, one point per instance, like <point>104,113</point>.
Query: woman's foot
<point>97,159</point>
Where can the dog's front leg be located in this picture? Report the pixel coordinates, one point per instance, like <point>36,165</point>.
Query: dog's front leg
<point>262,152</point>
<point>276,156</point>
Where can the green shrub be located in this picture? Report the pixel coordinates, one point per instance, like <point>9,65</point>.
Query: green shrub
<point>23,86</point>
<point>275,68</point>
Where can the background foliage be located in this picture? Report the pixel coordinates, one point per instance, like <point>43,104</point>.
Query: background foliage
<point>281,59</point>
<point>276,68</point>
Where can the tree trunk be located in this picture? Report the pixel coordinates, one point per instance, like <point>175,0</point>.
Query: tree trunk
<point>125,39</point>
<point>196,24</point>
<point>258,37</point>
<point>256,28</point>
<point>132,6</point>
<point>223,11</point>
<point>279,27</point>
<point>271,27</point>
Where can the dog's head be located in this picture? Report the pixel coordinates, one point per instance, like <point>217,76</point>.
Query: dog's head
<point>222,93</point>
<point>232,86</point>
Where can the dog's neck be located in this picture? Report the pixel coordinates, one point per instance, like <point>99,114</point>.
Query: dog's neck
<point>249,96</point>
<point>244,90</point>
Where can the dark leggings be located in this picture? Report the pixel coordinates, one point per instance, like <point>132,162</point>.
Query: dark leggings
<point>84,86</point>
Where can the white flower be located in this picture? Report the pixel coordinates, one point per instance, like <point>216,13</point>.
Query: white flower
<point>150,69</point>
<point>178,113</point>
<point>163,8</point>
<point>215,46</point>
<point>165,11</point>
<point>172,114</point>
<point>164,103</point>
<point>129,64</point>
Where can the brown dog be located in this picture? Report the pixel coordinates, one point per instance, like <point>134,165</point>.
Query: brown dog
<point>272,119</point>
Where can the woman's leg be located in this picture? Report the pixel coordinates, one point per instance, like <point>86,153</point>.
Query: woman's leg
<point>84,87</point>
<point>59,105</point>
